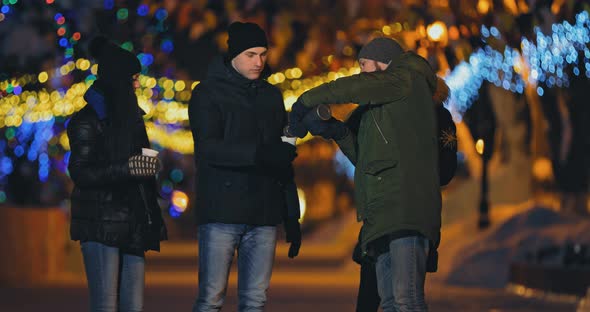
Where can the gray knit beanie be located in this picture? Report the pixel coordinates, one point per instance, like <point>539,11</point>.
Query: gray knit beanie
<point>381,49</point>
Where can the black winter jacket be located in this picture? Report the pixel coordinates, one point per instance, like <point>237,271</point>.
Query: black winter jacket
<point>107,203</point>
<point>230,117</point>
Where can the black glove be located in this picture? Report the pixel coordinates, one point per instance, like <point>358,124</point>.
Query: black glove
<point>329,129</point>
<point>295,126</point>
<point>276,155</point>
<point>298,111</point>
<point>143,166</point>
<point>293,231</point>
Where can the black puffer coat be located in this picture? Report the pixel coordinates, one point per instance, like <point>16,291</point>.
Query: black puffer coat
<point>230,117</point>
<point>108,205</point>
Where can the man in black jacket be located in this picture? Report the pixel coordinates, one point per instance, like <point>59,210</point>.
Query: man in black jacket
<point>236,119</point>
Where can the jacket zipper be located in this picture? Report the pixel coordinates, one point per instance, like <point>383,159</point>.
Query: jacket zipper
<point>378,128</point>
<point>145,203</point>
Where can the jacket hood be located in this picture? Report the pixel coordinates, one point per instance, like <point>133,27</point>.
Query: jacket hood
<point>416,63</point>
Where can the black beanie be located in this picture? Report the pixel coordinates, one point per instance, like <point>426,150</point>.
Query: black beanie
<point>114,62</point>
<point>381,49</point>
<point>243,36</point>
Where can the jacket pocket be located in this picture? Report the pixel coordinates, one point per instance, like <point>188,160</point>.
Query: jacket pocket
<point>375,167</point>
<point>379,175</point>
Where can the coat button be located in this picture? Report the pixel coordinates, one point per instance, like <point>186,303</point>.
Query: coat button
<point>227,183</point>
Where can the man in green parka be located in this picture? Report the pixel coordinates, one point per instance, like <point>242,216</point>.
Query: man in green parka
<point>395,151</point>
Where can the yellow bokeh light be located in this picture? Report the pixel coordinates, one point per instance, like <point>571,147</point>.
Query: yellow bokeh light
<point>180,200</point>
<point>542,169</point>
<point>169,94</point>
<point>64,141</point>
<point>168,84</point>
<point>148,93</point>
<point>151,83</point>
<point>296,73</point>
<point>386,30</point>
<point>43,77</point>
<point>84,65</point>
<point>179,85</point>
<point>55,96</point>
<point>79,103</point>
<point>479,146</point>
<point>483,6</point>
<point>194,85</point>
<point>17,121</point>
<point>289,101</point>
<point>295,84</point>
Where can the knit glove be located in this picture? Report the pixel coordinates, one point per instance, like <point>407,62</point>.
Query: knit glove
<point>293,231</point>
<point>143,166</point>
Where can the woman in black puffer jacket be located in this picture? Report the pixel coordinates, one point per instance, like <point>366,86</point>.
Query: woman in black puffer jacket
<point>115,214</point>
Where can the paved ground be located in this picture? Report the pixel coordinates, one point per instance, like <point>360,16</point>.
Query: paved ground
<point>323,279</point>
<point>282,298</point>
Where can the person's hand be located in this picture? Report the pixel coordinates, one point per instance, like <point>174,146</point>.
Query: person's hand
<point>328,129</point>
<point>143,166</point>
<point>295,126</point>
<point>298,111</point>
<point>293,231</point>
<point>276,155</point>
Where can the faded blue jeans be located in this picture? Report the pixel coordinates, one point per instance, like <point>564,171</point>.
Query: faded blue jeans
<point>115,280</point>
<point>401,273</point>
<point>256,250</point>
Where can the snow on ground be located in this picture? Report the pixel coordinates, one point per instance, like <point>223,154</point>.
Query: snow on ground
<point>469,257</point>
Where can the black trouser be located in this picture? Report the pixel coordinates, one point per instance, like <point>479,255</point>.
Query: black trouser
<point>368,299</point>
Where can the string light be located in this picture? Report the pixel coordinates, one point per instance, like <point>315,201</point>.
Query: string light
<point>548,59</point>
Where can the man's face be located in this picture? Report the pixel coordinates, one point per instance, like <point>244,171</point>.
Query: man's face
<point>250,63</point>
<point>369,66</point>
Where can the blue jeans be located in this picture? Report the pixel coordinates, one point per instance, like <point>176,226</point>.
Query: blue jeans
<point>401,273</point>
<point>256,251</point>
<point>115,280</point>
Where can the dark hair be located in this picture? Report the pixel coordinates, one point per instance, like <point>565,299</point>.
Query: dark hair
<point>122,111</point>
